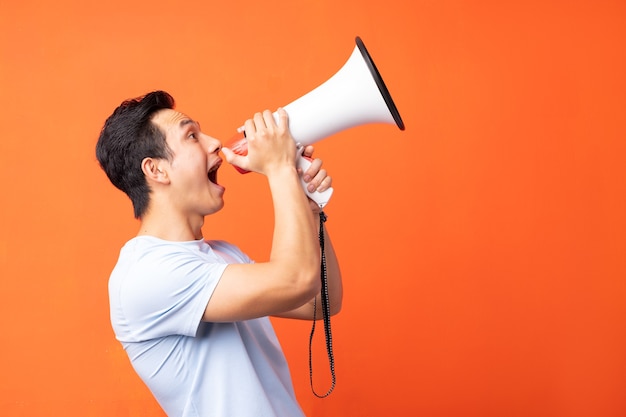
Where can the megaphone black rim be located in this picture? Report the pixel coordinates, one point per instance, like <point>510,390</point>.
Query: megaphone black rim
<point>380,83</point>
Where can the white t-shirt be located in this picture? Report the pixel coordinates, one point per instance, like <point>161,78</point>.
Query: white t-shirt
<point>158,292</point>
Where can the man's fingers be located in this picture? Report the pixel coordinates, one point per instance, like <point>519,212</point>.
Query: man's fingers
<point>312,170</point>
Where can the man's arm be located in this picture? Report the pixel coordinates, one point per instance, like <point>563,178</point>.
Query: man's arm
<point>291,276</point>
<point>317,179</point>
<point>335,288</point>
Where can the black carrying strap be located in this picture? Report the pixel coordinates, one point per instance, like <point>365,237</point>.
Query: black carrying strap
<point>326,318</point>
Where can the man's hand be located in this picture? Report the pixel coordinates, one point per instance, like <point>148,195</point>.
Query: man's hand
<point>269,142</point>
<point>315,176</point>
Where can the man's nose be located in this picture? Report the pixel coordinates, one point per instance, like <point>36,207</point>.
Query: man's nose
<point>213,145</point>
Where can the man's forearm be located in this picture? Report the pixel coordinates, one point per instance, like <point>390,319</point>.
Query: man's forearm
<point>294,242</point>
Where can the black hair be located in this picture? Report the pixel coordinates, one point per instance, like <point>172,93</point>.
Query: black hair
<point>127,138</point>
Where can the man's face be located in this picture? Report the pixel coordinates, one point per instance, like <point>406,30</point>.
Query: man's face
<point>192,170</point>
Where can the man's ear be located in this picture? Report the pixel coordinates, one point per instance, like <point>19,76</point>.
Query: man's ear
<point>153,171</point>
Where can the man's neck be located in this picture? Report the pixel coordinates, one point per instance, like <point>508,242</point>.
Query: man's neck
<point>171,226</point>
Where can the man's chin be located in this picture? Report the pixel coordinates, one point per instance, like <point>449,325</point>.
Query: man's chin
<point>215,208</point>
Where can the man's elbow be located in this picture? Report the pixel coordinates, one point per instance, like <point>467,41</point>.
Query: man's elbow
<point>336,310</point>
<point>335,306</point>
<point>309,286</point>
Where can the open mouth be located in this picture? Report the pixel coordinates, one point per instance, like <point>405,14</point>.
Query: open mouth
<point>212,174</point>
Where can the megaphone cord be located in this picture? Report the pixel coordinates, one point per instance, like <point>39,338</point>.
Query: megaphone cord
<point>326,318</point>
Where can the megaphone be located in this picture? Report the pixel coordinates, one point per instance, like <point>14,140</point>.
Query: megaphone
<point>354,96</point>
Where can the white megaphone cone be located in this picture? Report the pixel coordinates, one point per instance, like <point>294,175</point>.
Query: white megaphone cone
<point>354,96</point>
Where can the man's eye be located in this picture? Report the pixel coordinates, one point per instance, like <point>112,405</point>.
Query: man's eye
<point>192,135</point>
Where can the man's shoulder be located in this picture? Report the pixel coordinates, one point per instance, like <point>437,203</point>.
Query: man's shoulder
<point>230,252</point>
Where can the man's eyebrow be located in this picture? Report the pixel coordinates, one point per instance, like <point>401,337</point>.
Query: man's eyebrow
<point>186,122</point>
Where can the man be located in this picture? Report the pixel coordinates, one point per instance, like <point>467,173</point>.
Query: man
<point>192,314</point>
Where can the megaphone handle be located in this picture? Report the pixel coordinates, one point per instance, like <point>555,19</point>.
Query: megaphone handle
<point>321,198</point>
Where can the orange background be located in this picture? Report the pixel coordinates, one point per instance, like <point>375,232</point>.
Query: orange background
<point>483,248</point>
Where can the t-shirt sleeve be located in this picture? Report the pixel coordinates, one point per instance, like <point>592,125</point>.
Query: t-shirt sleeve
<point>230,253</point>
<point>168,293</point>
